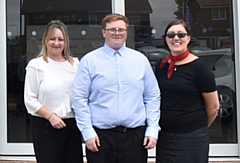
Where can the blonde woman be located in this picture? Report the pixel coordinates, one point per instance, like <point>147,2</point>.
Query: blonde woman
<point>48,86</point>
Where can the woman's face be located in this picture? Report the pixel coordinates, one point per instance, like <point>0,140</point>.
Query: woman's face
<point>55,43</point>
<point>177,43</point>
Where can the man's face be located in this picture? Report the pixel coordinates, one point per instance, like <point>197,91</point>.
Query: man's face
<point>115,34</point>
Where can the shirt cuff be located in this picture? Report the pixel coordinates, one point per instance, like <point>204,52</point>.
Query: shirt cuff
<point>152,131</point>
<point>88,133</point>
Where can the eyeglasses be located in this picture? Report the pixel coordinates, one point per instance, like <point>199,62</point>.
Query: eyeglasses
<point>172,35</point>
<point>113,30</point>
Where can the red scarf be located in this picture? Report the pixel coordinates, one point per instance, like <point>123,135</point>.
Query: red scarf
<point>173,59</point>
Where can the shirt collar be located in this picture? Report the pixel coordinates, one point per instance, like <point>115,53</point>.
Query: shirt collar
<point>111,51</point>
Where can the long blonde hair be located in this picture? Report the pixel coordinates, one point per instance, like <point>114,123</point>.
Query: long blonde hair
<point>49,30</point>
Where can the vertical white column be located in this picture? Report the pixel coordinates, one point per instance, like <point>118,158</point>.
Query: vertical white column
<point>118,6</point>
<point>236,28</point>
<point>3,77</point>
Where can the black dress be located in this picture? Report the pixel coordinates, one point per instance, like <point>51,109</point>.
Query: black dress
<point>184,133</point>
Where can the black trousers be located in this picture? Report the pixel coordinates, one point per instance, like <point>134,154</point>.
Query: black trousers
<point>119,145</point>
<point>56,146</point>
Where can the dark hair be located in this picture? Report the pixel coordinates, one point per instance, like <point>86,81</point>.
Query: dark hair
<point>114,17</point>
<point>49,30</point>
<point>177,22</point>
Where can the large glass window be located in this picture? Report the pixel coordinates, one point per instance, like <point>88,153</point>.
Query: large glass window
<point>26,21</point>
<point>210,23</point>
<point>212,39</point>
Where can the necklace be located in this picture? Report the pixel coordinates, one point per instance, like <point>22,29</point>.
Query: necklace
<point>175,68</point>
<point>173,59</point>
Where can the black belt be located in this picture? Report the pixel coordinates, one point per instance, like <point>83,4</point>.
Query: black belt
<point>124,129</point>
<point>121,128</point>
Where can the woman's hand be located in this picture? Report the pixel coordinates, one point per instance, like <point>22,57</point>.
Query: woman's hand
<point>56,121</point>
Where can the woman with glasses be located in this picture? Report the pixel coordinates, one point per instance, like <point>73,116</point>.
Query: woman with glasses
<point>189,100</point>
<point>48,86</point>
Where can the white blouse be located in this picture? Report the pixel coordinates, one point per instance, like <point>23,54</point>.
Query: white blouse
<point>49,85</point>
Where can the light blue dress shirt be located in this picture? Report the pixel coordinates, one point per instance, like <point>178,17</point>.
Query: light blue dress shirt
<point>115,89</point>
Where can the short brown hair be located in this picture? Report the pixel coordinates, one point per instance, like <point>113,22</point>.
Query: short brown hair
<point>114,17</point>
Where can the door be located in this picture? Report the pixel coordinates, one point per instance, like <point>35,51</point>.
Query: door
<point>24,22</point>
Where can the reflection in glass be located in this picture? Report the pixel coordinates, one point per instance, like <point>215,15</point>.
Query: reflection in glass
<point>221,63</point>
<point>212,40</point>
<point>211,27</point>
<point>83,20</point>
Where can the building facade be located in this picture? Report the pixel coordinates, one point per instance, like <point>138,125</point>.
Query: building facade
<point>214,24</point>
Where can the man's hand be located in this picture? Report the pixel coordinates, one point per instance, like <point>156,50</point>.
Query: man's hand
<point>93,144</point>
<point>149,142</point>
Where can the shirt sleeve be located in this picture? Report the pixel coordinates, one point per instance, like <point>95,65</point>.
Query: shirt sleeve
<point>32,82</point>
<point>205,78</point>
<point>80,94</point>
<point>152,102</point>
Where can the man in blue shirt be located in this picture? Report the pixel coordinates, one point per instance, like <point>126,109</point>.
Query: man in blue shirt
<point>116,99</point>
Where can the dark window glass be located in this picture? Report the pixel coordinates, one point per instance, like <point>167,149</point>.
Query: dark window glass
<point>26,21</point>
<point>212,39</point>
